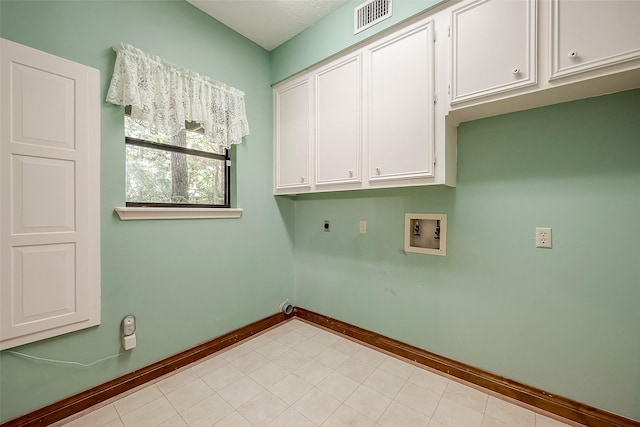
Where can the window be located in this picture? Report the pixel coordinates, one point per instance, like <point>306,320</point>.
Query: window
<point>184,170</point>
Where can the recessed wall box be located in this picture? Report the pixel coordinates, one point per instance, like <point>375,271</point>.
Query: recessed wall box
<point>425,233</point>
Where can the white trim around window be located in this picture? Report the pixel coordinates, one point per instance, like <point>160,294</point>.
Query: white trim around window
<point>131,213</point>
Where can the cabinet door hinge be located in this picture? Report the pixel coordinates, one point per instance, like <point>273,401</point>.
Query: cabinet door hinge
<point>435,36</point>
<point>435,161</point>
<point>449,89</point>
<point>435,99</point>
<point>449,31</point>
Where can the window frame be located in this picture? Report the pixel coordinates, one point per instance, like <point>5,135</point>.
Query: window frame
<point>189,151</point>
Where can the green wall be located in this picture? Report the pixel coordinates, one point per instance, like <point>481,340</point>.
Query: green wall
<point>564,319</point>
<point>187,281</point>
<point>334,34</point>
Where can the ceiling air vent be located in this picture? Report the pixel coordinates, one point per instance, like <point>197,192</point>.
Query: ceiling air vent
<point>370,13</point>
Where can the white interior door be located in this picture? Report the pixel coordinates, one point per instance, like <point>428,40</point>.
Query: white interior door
<point>49,207</point>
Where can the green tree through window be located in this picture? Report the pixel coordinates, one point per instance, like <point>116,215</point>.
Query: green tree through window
<point>180,170</point>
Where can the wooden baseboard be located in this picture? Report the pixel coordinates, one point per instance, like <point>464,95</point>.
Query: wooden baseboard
<point>558,405</point>
<point>85,400</point>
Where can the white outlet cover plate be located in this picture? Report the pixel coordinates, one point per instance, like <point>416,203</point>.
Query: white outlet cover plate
<point>543,237</point>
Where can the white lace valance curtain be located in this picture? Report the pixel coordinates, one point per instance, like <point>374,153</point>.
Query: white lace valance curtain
<point>165,96</point>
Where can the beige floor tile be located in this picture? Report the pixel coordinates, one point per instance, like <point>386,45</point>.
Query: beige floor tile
<point>489,421</point>
<point>241,391</point>
<point>262,409</point>
<point>397,367</point>
<point>418,398</point>
<point>291,418</point>
<point>249,362</point>
<point>268,374</point>
<point>434,423</point>
<point>313,372</point>
<point>429,380</point>
<point>368,402</point>
<point>176,381</point>
<point>325,337</point>
<point>346,346</point>
<point>98,417</point>
<point>206,367</point>
<point>307,330</point>
<point>207,412</point>
<point>257,342</point>
<point>137,400</point>
<point>331,357</point>
<point>235,352</point>
<point>369,356</point>
<point>385,382</point>
<point>453,414</point>
<point>293,339</point>
<point>290,388</point>
<point>312,348</point>
<point>117,423</point>
<point>543,421</point>
<point>356,369</point>
<point>189,394</point>
<point>272,350</point>
<point>338,385</point>
<point>277,332</point>
<point>152,414</point>
<point>234,419</point>
<point>222,377</point>
<point>399,415</point>
<point>316,405</point>
<point>467,396</point>
<point>176,421</point>
<point>509,413</point>
<point>291,360</point>
<point>345,416</point>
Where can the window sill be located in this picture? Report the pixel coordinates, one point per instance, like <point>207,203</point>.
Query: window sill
<point>177,213</point>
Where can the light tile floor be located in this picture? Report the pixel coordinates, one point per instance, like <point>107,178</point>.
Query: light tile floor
<point>299,375</point>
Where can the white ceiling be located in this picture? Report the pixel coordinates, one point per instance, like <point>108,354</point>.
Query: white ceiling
<point>269,23</point>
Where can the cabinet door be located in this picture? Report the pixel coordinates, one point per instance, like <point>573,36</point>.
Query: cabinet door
<point>493,47</point>
<point>338,125</point>
<point>292,129</point>
<point>587,35</point>
<point>50,198</point>
<point>400,104</point>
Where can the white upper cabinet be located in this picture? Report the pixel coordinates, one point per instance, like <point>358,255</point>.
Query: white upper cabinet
<point>493,47</point>
<point>338,122</point>
<point>293,109</point>
<point>591,35</point>
<point>400,105</point>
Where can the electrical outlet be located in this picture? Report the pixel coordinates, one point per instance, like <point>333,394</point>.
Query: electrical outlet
<point>363,227</point>
<point>543,237</point>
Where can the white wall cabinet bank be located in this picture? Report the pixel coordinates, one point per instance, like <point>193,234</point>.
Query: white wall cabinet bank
<point>371,119</point>
<point>513,55</point>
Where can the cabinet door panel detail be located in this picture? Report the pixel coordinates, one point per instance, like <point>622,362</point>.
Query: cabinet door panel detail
<point>338,124</point>
<point>42,182</point>
<point>43,107</point>
<point>44,287</point>
<point>401,106</point>
<point>587,35</point>
<point>493,47</point>
<point>292,135</point>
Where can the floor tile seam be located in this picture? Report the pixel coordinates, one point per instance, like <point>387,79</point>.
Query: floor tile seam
<point>435,409</point>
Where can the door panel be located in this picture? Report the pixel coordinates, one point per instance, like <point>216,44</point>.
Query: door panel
<point>49,208</point>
